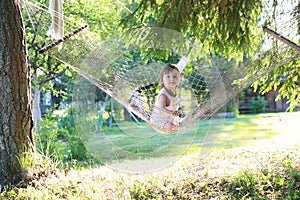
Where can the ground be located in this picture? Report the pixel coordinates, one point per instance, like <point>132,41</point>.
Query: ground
<point>108,183</point>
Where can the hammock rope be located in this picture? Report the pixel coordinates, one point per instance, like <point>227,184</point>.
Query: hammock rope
<point>204,90</point>
<point>59,41</point>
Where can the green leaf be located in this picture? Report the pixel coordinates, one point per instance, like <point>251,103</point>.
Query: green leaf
<point>68,73</point>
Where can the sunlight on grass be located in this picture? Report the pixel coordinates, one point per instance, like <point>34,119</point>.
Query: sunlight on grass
<point>250,128</point>
<point>115,145</point>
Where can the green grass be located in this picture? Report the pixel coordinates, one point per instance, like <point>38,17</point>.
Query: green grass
<point>132,141</point>
<point>247,128</point>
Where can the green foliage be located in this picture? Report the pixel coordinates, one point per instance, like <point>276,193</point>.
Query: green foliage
<point>278,182</point>
<point>286,80</point>
<point>244,186</point>
<point>47,72</point>
<point>232,106</point>
<point>140,191</point>
<point>74,146</point>
<point>228,28</point>
<point>258,104</point>
<point>58,139</point>
<point>47,142</point>
<point>102,17</point>
<point>223,26</point>
<point>281,182</point>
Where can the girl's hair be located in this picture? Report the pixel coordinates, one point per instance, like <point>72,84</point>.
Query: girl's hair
<point>165,70</point>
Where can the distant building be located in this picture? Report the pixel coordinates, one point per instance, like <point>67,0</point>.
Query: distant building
<point>271,105</point>
<point>275,106</point>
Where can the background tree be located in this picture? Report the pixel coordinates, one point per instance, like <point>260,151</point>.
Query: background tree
<point>44,68</point>
<point>16,136</point>
<point>286,76</point>
<point>225,27</point>
<point>222,26</point>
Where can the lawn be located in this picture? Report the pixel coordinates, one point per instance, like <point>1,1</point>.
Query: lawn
<point>250,157</point>
<point>139,142</point>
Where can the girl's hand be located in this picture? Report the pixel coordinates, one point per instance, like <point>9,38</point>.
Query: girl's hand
<point>175,113</point>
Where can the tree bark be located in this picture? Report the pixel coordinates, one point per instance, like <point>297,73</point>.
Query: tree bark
<point>16,125</point>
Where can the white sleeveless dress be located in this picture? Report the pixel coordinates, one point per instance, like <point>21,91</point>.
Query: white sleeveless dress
<point>158,119</point>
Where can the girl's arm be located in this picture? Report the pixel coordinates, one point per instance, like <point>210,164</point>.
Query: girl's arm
<point>163,103</point>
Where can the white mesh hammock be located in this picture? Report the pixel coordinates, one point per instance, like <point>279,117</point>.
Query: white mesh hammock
<point>209,81</point>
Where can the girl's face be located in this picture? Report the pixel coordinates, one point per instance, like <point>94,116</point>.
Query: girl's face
<point>171,79</point>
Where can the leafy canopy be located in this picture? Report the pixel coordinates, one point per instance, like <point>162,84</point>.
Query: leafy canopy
<point>223,26</point>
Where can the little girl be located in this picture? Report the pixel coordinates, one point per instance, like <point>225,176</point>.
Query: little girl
<point>165,116</point>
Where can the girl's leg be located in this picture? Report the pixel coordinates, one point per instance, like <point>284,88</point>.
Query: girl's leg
<point>170,127</point>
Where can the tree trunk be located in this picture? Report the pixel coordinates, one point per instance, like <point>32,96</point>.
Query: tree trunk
<point>102,106</point>
<point>111,112</point>
<point>16,135</point>
<point>37,117</point>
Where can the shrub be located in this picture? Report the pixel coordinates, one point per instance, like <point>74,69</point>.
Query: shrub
<point>58,138</point>
<point>46,139</point>
<point>258,104</point>
<point>231,106</point>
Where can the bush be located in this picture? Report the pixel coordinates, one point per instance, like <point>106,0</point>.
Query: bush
<point>47,142</point>
<point>231,106</point>
<point>258,104</point>
<point>58,138</point>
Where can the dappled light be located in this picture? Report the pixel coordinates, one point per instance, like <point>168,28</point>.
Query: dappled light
<point>150,99</point>
<point>112,65</point>
<point>260,128</point>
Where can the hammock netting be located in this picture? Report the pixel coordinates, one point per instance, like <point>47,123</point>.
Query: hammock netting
<point>209,82</point>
